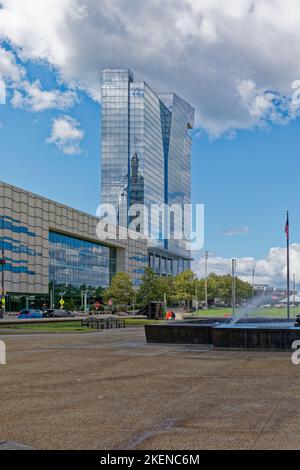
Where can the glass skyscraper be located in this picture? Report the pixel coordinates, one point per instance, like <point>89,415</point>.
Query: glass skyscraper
<point>146,157</point>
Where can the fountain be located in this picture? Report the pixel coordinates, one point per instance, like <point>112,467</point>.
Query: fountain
<point>245,329</point>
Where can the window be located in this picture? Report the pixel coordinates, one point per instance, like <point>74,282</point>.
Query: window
<point>77,262</point>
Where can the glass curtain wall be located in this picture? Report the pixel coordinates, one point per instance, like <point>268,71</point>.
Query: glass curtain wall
<point>76,262</point>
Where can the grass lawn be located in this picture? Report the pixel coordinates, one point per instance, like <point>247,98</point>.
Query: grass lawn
<point>141,322</point>
<point>51,327</point>
<point>61,327</point>
<point>259,312</point>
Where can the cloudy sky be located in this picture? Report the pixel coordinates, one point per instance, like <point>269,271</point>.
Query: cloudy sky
<point>236,61</point>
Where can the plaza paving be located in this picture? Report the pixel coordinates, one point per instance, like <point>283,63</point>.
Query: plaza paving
<point>110,390</point>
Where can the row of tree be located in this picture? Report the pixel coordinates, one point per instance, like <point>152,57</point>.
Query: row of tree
<point>185,287</point>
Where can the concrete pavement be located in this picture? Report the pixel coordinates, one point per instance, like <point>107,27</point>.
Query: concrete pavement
<point>110,390</point>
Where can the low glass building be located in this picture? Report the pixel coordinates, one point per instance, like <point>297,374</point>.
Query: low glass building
<point>77,262</point>
<point>50,248</point>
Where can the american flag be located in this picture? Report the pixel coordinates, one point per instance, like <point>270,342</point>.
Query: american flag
<point>287,226</point>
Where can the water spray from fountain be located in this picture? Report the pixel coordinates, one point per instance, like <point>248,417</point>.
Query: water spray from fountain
<point>250,309</point>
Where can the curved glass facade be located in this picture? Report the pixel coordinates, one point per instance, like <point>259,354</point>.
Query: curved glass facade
<point>77,262</point>
<point>146,157</point>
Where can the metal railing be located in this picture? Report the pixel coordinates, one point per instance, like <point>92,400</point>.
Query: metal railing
<point>103,323</point>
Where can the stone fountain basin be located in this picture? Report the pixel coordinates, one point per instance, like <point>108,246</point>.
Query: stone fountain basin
<point>277,335</point>
<point>254,333</point>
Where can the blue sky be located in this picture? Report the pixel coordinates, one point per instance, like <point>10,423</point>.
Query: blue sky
<point>214,54</point>
<point>71,179</point>
<point>249,180</point>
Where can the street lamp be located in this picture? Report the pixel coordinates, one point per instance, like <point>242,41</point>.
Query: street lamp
<point>206,293</point>
<point>196,292</point>
<point>294,293</point>
<point>2,263</point>
<point>233,267</point>
<point>253,281</point>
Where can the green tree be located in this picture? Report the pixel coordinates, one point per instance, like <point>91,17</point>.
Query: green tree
<point>200,290</point>
<point>150,288</point>
<point>70,305</point>
<point>243,290</point>
<point>167,287</point>
<point>99,292</point>
<point>120,291</point>
<point>153,287</point>
<point>185,286</point>
<point>220,287</point>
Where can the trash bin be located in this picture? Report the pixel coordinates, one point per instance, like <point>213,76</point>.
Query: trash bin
<point>155,310</point>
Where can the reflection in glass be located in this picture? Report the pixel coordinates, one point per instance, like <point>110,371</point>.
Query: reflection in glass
<point>77,262</point>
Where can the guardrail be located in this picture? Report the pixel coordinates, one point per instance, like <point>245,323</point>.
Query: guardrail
<point>103,323</point>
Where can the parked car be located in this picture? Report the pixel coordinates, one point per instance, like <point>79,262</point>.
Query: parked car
<point>30,313</point>
<point>55,313</point>
<point>48,312</point>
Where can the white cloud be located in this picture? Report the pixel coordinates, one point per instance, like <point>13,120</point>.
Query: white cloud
<point>26,95</point>
<point>235,60</point>
<point>9,69</point>
<point>66,135</point>
<point>269,270</point>
<point>32,98</point>
<point>234,231</point>
<point>2,91</point>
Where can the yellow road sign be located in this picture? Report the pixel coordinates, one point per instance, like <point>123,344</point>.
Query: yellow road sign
<point>3,300</point>
<point>62,302</point>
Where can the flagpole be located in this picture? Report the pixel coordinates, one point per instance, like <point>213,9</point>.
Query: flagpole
<point>288,264</point>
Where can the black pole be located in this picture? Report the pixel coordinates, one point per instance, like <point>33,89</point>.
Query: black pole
<point>288,264</point>
<point>253,277</point>
<point>2,257</point>
<point>2,273</point>
<point>233,286</point>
